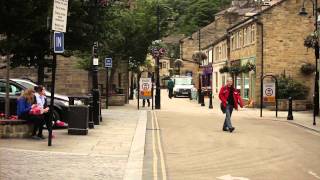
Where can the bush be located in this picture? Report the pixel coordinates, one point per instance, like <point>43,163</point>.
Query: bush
<point>288,87</point>
<point>224,69</point>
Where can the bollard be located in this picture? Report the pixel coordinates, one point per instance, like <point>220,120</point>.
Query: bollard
<point>202,99</point>
<point>190,95</point>
<point>290,116</point>
<point>199,96</point>
<point>210,100</point>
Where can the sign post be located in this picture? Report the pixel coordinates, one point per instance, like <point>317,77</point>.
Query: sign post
<point>107,65</point>
<point>59,24</point>
<point>269,92</point>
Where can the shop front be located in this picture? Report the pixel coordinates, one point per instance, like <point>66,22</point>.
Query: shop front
<point>206,78</point>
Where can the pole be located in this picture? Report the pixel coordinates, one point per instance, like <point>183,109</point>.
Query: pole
<point>95,90</point>
<point>53,80</point>
<point>316,80</point>
<point>210,100</point>
<point>138,90</point>
<point>7,100</point>
<point>131,86</point>
<point>107,87</point>
<point>158,96</point>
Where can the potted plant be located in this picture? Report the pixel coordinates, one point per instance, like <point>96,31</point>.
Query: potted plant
<point>307,68</point>
<point>224,69</point>
<point>311,41</point>
<point>248,67</point>
<point>199,55</point>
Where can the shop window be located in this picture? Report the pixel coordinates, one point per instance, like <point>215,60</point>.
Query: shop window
<point>246,86</point>
<point>253,33</point>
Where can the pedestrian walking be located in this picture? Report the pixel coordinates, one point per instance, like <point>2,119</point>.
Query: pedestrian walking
<point>170,86</point>
<point>230,98</point>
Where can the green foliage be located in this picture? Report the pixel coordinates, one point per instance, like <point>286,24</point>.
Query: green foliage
<point>224,69</point>
<point>307,68</point>
<point>288,87</point>
<point>189,15</point>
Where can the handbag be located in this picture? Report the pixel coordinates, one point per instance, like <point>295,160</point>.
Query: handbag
<point>223,109</point>
<point>36,110</point>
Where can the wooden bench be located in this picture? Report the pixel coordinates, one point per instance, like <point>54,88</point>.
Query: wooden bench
<point>15,128</point>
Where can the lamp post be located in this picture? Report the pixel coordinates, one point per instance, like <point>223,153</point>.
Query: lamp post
<point>316,52</point>
<point>158,95</point>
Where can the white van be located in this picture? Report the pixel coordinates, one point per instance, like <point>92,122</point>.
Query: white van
<point>183,85</point>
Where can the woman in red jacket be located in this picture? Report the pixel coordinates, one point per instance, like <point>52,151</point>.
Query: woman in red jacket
<point>230,98</point>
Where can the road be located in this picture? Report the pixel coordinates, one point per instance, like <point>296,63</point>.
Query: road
<point>193,146</point>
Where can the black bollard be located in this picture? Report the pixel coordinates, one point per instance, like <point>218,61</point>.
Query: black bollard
<point>202,99</point>
<point>190,95</point>
<point>210,100</point>
<point>290,116</point>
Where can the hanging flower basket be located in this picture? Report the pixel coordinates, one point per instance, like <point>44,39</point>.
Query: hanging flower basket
<point>157,49</point>
<point>307,68</point>
<point>248,67</point>
<point>311,41</point>
<point>224,69</point>
<point>235,70</point>
<point>199,56</point>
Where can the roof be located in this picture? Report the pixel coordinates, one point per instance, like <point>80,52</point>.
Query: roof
<point>258,13</point>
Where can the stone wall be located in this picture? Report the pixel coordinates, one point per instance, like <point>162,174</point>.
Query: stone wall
<point>16,130</point>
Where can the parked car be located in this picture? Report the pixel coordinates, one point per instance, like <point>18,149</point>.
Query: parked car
<point>61,102</point>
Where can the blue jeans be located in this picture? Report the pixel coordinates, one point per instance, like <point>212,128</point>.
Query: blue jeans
<point>227,121</point>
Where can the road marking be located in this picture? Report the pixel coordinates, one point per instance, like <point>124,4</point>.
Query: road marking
<point>229,177</point>
<point>155,156</point>
<point>163,167</point>
<point>314,174</point>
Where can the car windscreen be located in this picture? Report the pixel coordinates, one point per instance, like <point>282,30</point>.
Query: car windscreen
<point>27,85</point>
<point>183,81</point>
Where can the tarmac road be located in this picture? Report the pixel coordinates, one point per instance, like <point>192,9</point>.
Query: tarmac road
<point>195,147</point>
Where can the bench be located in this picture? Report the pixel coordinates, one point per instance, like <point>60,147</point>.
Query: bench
<point>15,128</point>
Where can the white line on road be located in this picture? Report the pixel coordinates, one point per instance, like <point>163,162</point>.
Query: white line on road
<point>163,167</point>
<point>155,156</point>
<point>314,174</point>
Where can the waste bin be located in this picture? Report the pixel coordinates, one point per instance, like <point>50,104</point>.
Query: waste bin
<point>78,117</point>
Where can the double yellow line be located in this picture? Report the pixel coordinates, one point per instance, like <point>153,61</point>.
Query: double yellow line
<point>157,141</point>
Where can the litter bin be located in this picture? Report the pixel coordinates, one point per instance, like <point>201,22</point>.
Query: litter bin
<point>78,117</point>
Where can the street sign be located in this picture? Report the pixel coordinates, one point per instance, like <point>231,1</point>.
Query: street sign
<point>269,92</point>
<point>145,88</point>
<point>59,16</point>
<point>108,63</point>
<point>58,42</point>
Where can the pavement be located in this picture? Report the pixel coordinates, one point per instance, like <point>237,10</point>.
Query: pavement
<point>113,150</point>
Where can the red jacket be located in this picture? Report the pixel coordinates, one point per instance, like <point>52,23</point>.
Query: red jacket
<point>224,94</point>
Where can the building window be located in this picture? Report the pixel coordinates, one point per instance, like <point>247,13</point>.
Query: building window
<point>164,65</point>
<point>232,43</point>
<point>248,35</point>
<point>245,36</point>
<point>217,82</point>
<point>210,56</point>
<point>253,33</point>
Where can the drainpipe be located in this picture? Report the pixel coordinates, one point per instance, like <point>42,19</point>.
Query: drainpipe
<point>262,65</point>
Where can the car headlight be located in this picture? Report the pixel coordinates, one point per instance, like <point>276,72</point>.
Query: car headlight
<point>78,102</point>
<point>66,103</point>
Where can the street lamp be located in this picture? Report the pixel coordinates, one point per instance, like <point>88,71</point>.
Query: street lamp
<point>303,12</point>
<point>158,92</point>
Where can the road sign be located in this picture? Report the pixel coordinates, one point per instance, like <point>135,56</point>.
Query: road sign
<point>108,63</point>
<point>269,92</point>
<point>58,42</point>
<point>145,88</point>
<point>59,16</point>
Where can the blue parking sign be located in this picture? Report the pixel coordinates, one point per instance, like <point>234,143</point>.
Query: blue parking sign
<point>58,42</point>
<point>108,63</point>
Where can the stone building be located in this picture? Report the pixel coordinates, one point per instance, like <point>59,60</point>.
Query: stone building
<point>206,36</point>
<point>272,39</point>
